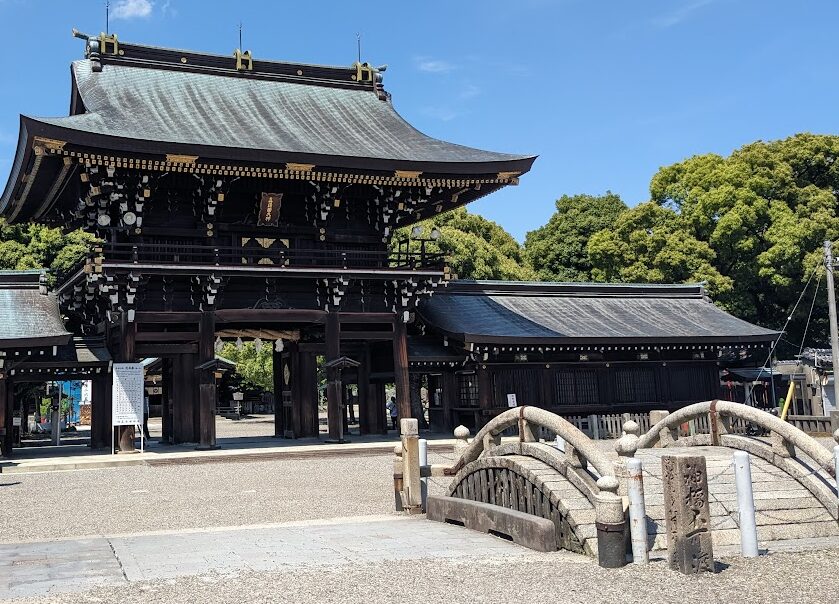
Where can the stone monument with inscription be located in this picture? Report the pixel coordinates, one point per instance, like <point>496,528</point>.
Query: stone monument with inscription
<point>687,513</point>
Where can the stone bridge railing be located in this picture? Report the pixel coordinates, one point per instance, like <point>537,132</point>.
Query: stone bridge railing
<point>580,450</point>
<point>790,449</point>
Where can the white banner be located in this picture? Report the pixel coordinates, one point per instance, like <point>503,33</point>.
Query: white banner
<point>128,394</point>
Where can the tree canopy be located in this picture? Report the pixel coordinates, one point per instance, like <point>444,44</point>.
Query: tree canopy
<point>476,248</point>
<point>557,251</point>
<point>750,224</point>
<point>254,366</point>
<point>31,246</point>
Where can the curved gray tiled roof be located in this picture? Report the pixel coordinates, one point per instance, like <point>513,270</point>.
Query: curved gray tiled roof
<point>28,317</point>
<point>580,313</point>
<point>217,110</point>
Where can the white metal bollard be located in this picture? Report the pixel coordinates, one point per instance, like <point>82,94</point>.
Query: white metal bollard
<point>423,462</point>
<point>560,443</point>
<point>836,467</point>
<point>637,511</point>
<point>745,504</point>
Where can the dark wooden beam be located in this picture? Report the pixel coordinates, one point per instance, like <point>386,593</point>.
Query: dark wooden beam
<point>149,316</point>
<point>277,359</point>
<point>165,350</point>
<point>168,336</point>
<point>269,315</point>
<point>366,317</point>
<point>366,335</point>
<point>166,399</point>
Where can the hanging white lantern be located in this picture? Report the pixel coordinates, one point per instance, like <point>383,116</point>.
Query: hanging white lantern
<point>278,345</point>
<point>239,343</point>
<point>257,343</point>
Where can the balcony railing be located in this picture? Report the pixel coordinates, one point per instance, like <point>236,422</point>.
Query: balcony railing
<point>192,255</point>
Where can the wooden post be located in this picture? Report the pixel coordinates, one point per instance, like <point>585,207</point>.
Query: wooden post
<point>98,429</point>
<point>207,382</point>
<point>333,376</point>
<point>449,388</point>
<point>166,400</point>
<point>6,424</point>
<point>366,408</point>
<point>485,394</point>
<point>128,335</point>
<point>400,368</point>
<point>277,375</point>
<point>308,377</point>
<point>183,398</point>
<point>379,409</point>
<point>293,413</point>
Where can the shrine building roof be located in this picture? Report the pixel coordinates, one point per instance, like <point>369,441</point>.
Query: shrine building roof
<point>181,110</point>
<point>584,313</point>
<point>29,316</point>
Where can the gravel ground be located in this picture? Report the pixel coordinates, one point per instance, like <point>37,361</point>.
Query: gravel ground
<point>150,498</point>
<point>557,577</point>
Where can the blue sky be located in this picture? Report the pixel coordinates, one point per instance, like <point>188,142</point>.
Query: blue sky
<point>605,92</point>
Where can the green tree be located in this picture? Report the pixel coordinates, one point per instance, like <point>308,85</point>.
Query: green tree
<point>750,224</point>
<point>255,366</point>
<point>32,246</point>
<point>557,251</point>
<point>476,248</point>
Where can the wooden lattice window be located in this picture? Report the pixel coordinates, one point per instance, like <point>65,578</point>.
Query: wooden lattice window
<point>635,385</point>
<point>577,387</point>
<point>467,389</point>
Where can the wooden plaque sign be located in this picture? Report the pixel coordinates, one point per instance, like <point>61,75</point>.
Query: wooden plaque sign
<point>269,209</point>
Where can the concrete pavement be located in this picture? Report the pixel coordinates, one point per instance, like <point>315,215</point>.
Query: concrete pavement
<point>68,565</point>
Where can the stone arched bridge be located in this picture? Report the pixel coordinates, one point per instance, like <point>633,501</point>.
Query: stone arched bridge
<point>547,498</point>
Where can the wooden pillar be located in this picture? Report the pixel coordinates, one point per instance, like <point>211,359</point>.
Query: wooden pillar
<point>128,334</point>
<point>307,375</point>
<point>277,374</point>
<point>485,394</point>
<point>381,420</point>
<point>400,368</point>
<point>98,428</point>
<point>183,398</point>
<point>6,423</point>
<point>449,387</point>
<point>166,400</point>
<point>334,386</point>
<point>293,412</point>
<point>207,382</point>
<point>366,408</point>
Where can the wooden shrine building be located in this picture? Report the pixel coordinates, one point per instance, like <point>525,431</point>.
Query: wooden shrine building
<point>237,197</point>
<point>575,348</point>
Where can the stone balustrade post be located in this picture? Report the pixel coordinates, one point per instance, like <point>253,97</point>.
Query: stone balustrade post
<point>611,524</point>
<point>461,440</point>
<point>411,488</point>
<point>666,436</point>
<point>397,477</point>
<point>780,446</point>
<point>626,446</point>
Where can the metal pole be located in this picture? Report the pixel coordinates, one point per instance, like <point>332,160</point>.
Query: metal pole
<point>423,462</point>
<point>831,307</point>
<point>745,504</point>
<point>637,511</point>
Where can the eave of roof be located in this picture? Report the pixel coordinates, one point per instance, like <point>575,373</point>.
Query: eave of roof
<point>584,314</point>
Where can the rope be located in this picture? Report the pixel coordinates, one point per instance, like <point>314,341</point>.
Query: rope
<point>789,318</point>
<point>809,316</point>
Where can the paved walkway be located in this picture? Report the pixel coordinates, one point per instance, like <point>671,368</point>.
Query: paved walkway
<point>33,569</point>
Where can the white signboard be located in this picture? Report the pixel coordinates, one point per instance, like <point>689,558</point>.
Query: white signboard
<point>511,400</point>
<point>128,394</point>
<point>86,392</point>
